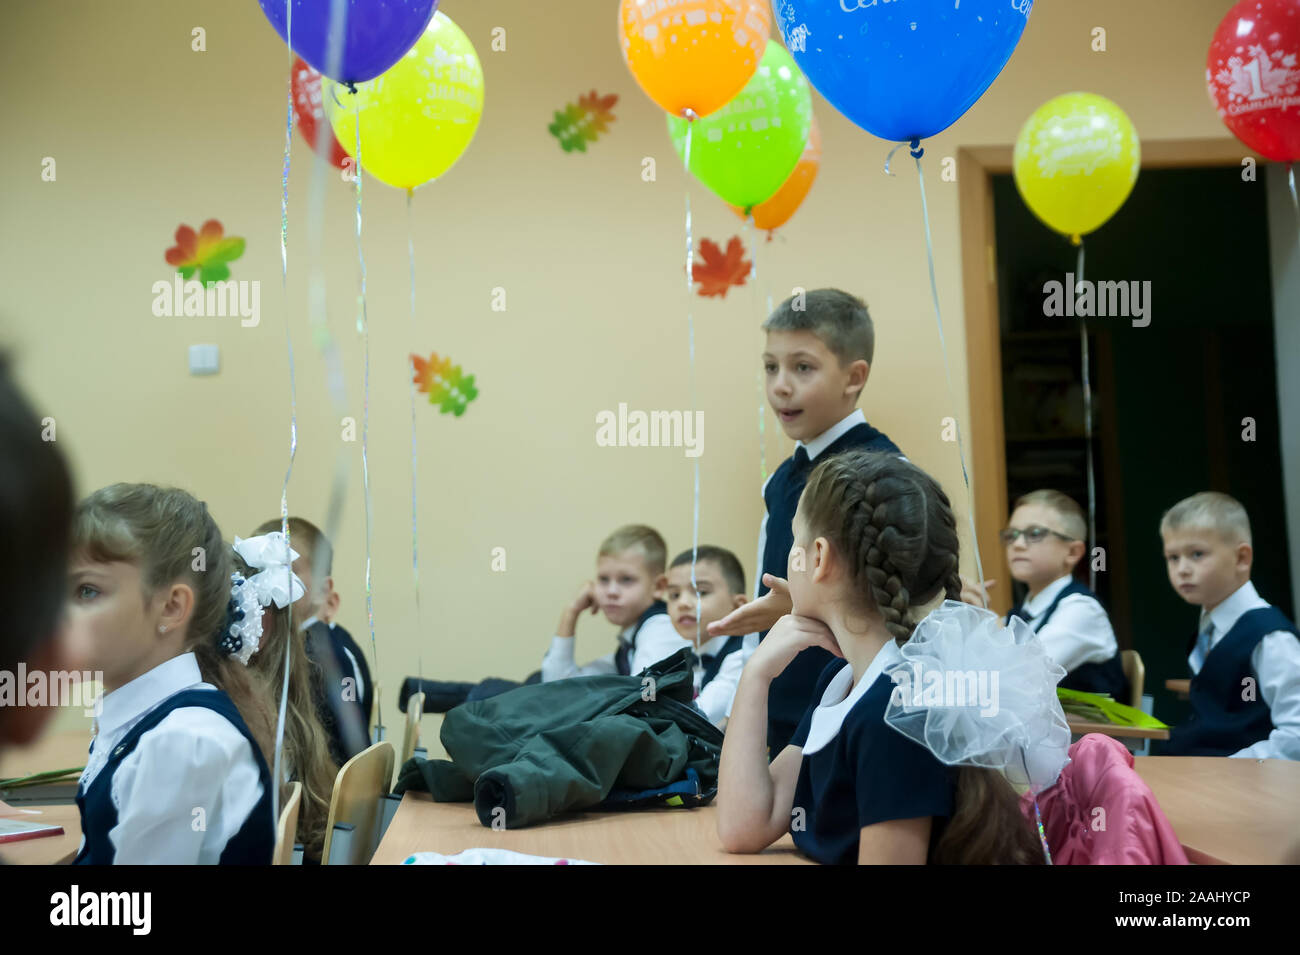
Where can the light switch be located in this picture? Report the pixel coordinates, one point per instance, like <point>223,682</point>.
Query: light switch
<point>205,359</point>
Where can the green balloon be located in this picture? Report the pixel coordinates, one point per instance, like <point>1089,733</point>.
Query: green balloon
<point>745,151</point>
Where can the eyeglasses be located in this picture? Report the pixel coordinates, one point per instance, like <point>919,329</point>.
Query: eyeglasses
<point>1033,534</point>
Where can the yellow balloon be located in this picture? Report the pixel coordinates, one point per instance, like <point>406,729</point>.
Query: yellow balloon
<point>1076,161</point>
<point>418,117</point>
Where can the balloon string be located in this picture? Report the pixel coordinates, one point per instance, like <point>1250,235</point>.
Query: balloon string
<point>363,326</point>
<point>690,324</point>
<point>415,458</point>
<point>916,153</point>
<point>293,409</point>
<point>1087,429</point>
<point>1290,179</point>
<point>751,234</point>
<point>326,344</point>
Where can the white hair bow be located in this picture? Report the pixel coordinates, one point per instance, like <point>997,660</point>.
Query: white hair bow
<point>276,582</point>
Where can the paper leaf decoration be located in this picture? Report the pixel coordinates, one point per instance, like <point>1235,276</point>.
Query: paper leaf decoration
<point>720,270</point>
<point>446,385</point>
<point>582,122</point>
<point>205,252</point>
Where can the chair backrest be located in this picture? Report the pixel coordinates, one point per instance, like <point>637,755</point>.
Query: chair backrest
<point>357,802</point>
<point>414,710</point>
<point>1136,673</point>
<point>287,827</point>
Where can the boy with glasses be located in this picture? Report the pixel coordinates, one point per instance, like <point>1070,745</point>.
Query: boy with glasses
<point>1044,541</point>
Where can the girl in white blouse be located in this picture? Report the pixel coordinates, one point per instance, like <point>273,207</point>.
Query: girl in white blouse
<point>177,771</point>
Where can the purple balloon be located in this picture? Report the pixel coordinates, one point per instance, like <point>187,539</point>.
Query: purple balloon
<point>377,33</point>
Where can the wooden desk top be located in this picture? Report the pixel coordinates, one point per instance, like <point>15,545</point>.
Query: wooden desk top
<point>1080,726</point>
<point>641,837</point>
<point>52,751</point>
<point>1229,811</point>
<point>48,849</point>
<point>1182,687</point>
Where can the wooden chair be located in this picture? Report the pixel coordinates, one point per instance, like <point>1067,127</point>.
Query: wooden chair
<point>287,828</point>
<point>411,737</point>
<point>359,807</point>
<point>1136,674</point>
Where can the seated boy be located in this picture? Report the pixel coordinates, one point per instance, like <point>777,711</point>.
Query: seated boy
<point>629,575</point>
<point>820,346</point>
<point>1045,540</point>
<point>720,585</point>
<point>350,691</point>
<point>1245,660</point>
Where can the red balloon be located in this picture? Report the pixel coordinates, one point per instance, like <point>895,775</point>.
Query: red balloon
<point>1253,72</point>
<point>310,114</point>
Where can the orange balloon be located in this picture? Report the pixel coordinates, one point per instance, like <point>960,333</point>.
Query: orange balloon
<point>693,54</point>
<point>777,210</point>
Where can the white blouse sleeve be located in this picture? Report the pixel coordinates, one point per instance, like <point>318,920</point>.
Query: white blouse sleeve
<point>184,791</point>
<point>656,641</point>
<point>716,698</point>
<point>1078,632</point>
<point>1276,662</point>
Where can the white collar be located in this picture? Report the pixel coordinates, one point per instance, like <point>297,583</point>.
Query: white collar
<point>308,622</point>
<point>832,434</point>
<point>1225,616</point>
<point>128,703</point>
<point>1043,600</point>
<point>837,701</point>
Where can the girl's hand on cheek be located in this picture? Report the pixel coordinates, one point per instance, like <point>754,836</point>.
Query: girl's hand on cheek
<point>788,637</point>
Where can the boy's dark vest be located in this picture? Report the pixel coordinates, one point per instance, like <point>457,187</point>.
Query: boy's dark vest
<point>1104,677</point>
<point>253,844</point>
<point>623,657</point>
<point>1222,722</point>
<point>791,692</point>
<point>714,663</point>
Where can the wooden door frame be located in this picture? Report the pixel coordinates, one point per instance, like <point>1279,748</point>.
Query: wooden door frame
<point>976,165</point>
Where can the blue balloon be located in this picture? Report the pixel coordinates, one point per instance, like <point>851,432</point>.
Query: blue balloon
<point>902,69</point>
<point>376,33</point>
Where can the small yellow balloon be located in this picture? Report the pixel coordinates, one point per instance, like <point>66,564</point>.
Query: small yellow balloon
<point>1075,162</point>
<point>418,117</point>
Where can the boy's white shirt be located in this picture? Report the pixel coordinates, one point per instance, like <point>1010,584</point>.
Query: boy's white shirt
<point>1078,632</point>
<point>194,758</point>
<point>1275,662</point>
<point>656,634</point>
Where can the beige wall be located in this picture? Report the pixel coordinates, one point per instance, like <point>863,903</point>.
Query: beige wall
<point>148,134</point>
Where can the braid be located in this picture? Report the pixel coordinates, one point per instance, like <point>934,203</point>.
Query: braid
<point>895,524</point>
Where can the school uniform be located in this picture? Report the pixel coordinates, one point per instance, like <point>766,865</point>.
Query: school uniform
<point>721,661</point>
<point>857,770</point>
<point>360,669</point>
<point>1075,632</point>
<point>338,694</point>
<point>791,692</point>
<point>640,644</point>
<point>167,745</point>
<point>1245,689</point>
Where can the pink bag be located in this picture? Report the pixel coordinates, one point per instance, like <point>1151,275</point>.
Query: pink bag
<point>1101,812</point>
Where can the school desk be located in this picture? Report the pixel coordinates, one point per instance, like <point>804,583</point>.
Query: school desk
<point>640,837</point>
<point>63,750</point>
<point>1225,811</point>
<point>1229,811</point>
<point>1079,727</point>
<point>48,849</point>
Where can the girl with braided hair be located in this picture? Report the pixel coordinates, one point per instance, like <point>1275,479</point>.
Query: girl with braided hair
<point>875,545</point>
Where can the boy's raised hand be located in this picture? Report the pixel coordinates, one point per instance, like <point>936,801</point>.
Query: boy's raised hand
<point>972,594</point>
<point>786,639</point>
<point>569,618</point>
<point>757,615</point>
